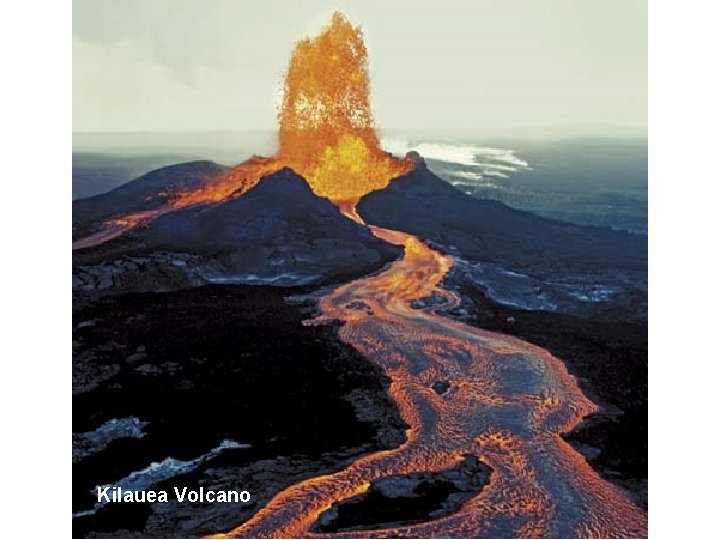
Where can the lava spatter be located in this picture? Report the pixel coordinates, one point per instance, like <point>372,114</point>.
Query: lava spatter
<point>327,132</point>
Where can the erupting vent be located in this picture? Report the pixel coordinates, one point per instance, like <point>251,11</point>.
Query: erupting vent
<point>326,125</point>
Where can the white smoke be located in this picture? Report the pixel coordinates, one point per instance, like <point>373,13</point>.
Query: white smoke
<point>481,162</point>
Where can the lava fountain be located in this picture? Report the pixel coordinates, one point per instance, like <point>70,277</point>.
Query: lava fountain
<point>326,127</point>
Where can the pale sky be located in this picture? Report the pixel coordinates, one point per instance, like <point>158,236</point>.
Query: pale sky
<point>483,65</point>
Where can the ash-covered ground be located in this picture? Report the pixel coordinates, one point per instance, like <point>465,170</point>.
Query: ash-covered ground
<point>216,386</point>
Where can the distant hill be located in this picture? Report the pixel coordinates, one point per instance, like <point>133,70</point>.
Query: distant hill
<point>277,232</point>
<point>149,191</point>
<point>98,172</point>
<point>279,222</point>
<point>422,204</point>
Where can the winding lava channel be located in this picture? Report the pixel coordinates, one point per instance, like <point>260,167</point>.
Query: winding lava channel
<point>508,404</point>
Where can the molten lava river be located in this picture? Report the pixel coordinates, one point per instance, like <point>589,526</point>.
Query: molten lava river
<point>508,404</point>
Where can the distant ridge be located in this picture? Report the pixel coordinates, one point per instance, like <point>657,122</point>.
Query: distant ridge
<point>422,204</point>
<point>278,232</point>
<point>147,192</point>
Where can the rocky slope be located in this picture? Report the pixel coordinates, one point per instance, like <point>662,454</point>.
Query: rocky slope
<point>279,232</point>
<point>146,192</point>
<point>174,378</point>
<point>280,225</point>
<point>422,204</point>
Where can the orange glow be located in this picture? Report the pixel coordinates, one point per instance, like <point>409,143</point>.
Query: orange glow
<point>233,183</point>
<point>539,486</point>
<point>326,125</point>
<point>326,131</point>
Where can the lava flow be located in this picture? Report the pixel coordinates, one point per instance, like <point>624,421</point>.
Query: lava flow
<point>508,403</point>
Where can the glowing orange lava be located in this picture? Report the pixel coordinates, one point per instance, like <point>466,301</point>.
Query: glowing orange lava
<point>327,133</point>
<point>508,403</point>
<point>326,128</point>
<point>235,182</point>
